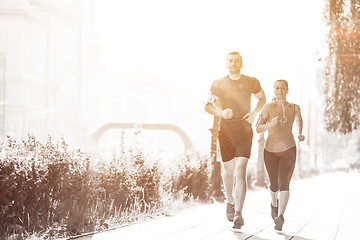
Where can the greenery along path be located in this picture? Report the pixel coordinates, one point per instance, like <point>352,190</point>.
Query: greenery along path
<point>322,207</point>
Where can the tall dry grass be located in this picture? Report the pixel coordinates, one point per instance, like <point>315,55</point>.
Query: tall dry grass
<point>48,189</point>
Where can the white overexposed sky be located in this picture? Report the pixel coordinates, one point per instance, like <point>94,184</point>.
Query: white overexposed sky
<point>192,37</point>
<point>186,42</point>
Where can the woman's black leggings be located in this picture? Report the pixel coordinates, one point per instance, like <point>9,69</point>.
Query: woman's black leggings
<point>280,167</point>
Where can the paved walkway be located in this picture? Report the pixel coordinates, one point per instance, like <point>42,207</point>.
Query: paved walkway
<point>323,207</point>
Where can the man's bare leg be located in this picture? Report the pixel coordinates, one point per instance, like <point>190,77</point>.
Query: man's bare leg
<point>240,183</point>
<point>229,179</point>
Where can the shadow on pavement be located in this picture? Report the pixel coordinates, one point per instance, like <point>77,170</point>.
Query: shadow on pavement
<point>287,236</point>
<point>242,236</point>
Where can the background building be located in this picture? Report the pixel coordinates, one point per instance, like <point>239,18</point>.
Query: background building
<point>47,52</point>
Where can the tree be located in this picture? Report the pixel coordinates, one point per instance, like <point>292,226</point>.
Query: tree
<point>342,66</point>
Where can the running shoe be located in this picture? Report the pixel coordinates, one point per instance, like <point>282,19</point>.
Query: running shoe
<point>230,211</point>
<point>238,221</point>
<point>279,221</point>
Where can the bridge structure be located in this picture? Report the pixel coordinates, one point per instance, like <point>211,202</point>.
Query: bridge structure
<point>95,136</point>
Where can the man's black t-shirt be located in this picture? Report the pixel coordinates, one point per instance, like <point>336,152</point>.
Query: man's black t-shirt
<point>236,94</point>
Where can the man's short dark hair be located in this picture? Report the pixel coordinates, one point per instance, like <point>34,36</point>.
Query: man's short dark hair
<point>234,53</point>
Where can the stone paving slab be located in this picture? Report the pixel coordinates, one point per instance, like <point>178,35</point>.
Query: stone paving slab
<point>322,207</point>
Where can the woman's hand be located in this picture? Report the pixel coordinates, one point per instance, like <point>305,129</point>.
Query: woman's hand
<point>273,122</point>
<point>301,137</point>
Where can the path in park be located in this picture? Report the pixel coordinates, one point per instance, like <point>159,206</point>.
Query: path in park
<point>322,207</point>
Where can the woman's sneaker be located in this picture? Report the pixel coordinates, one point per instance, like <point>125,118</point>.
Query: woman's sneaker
<point>238,221</point>
<point>274,210</point>
<point>279,222</point>
<point>230,211</point>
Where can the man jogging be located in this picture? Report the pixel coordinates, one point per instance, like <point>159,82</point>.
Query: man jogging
<point>230,98</point>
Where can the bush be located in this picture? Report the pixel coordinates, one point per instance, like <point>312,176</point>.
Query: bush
<point>39,184</point>
<point>191,175</point>
<point>47,189</point>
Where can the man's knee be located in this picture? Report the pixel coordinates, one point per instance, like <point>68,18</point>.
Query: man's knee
<point>228,173</point>
<point>240,174</point>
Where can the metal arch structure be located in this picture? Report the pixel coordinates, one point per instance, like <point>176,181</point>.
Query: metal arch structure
<point>170,127</point>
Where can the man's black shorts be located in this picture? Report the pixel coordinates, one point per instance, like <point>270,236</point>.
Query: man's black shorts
<point>235,138</point>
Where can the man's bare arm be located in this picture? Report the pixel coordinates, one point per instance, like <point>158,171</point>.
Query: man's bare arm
<point>261,101</point>
<point>212,106</point>
<point>250,117</point>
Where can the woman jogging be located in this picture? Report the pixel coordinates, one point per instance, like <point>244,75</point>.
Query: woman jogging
<point>277,117</point>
